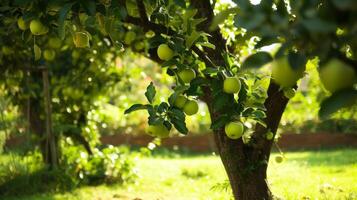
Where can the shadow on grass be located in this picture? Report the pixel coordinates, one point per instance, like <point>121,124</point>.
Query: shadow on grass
<point>38,182</point>
<point>327,157</point>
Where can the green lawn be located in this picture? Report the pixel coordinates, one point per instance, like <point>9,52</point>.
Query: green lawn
<point>328,174</point>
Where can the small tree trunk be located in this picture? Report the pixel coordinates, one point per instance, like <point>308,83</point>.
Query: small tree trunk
<point>246,164</point>
<point>32,110</point>
<point>51,143</point>
<point>247,178</point>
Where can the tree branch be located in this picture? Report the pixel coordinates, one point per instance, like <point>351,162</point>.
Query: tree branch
<point>205,10</point>
<point>142,11</point>
<point>158,28</point>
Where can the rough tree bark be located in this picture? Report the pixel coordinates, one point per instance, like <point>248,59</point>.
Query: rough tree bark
<point>246,165</point>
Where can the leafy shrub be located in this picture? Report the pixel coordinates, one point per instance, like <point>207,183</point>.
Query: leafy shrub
<point>107,165</point>
<point>26,174</point>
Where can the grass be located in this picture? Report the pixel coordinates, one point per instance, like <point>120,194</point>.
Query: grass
<point>327,174</point>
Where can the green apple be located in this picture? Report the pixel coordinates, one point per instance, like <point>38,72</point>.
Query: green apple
<point>37,51</point>
<point>180,101</point>
<point>49,54</point>
<point>231,85</point>
<point>164,52</point>
<point>81,39</point>
<point>289,92</point>
<point>234,130</point>
<point>22,24</point>
<point>279,159</point>
<point>139,45</point>
<point>336,75</point>
<point>129,37</point>
<point>186,75</point>
<point>159,130</point>
<point>37,28</point>
<point>283,74</point>
<point>190,107</point>
<point>54,42</point>
<point>269,135</point>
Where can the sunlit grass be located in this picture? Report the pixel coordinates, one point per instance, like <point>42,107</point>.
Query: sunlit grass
<point>309,174</point>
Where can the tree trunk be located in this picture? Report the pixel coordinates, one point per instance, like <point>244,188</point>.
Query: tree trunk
<point>246,164</point>
<point>32,111</point>
<point>51,141</point>
<point>247,178</point>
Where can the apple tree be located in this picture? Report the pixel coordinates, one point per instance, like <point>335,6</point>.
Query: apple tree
<point>211,49</point>
<point>52,79</point>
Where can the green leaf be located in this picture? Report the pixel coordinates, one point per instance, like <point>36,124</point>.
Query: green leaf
<point>168,125</point>
<point>249,21</point>
<point>297,61</point>
<point>345,4</point>
<point>257,60</point>
<point>180,3</point>
<point>220,122</point>
<point>62,17</point>
<point>207,44</point>
<point>318,25</point>
<point>162,107</point>
<point>221,17</point>
<point>177,113</point>
<point>244,4</point>
<point>258,114</point>
<point>222,100</point>
<point>136,107</point>
<point>192,38</point>
<point>88,6</point>
<point>336,101</point>
<point>150,92</point>
<point>265,41</point>
<point>177,118</point>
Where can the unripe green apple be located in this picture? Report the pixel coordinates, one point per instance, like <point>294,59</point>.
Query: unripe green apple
<point>336,75</point>
<point>129,37</point>
<point>49,54</point>
<point>186,75</point>
<point>54,43</point>
<point>190,107</point>
<point>180,101</point>
<point>139,46</point>
<point>81,39</point>
<point>37,51</point>
<point>269,135</point>
<point>22,24</point>
<point>289,92</point>
<point>37,28</point>
<point>231,85</point>
<point>283,74</point>
<point>159,130</point>
<point>234,130</point>
<point>279,159</point>
<point>164,52</point>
